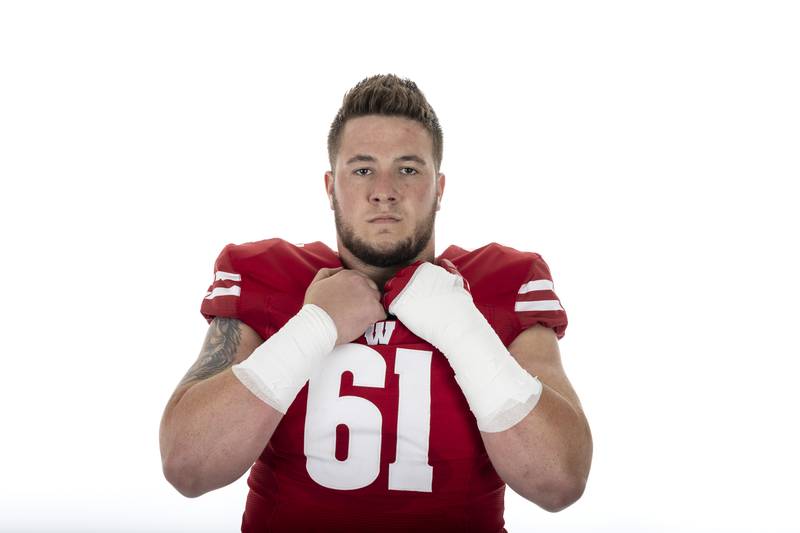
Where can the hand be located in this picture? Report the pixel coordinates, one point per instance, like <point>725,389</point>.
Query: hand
<point>351,299</point>
<point>430,300</point>
<point>434,302</point>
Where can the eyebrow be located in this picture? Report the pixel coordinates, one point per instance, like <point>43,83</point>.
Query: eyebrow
<point>369,158</point>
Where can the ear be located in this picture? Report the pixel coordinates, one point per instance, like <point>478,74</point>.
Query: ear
<point>329,182</point>
<point>439,190</point>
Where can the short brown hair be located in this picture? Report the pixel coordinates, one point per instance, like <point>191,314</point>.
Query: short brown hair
<point>386,94</point>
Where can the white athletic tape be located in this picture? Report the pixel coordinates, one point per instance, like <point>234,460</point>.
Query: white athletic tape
<point>277,370</point>
<point>435,306</point>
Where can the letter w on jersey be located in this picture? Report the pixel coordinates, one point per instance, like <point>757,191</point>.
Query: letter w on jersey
<point>380,332</point>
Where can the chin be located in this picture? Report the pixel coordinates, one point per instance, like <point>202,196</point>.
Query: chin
<point>385,246</point>
<point>386,237</point>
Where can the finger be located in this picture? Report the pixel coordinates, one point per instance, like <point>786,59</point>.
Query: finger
<point>367,278</point>
<point>380,313</point>
<point>323,273</point>
<point>449,266</point>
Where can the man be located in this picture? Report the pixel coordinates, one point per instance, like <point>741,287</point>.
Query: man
<point>379,388</point>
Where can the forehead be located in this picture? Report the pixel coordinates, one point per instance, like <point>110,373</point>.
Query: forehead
<point>385,135</point>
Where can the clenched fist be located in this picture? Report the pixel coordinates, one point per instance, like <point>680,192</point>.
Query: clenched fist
<point>351,299</point>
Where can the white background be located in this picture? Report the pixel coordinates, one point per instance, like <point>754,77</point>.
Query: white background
<point>648,151</point>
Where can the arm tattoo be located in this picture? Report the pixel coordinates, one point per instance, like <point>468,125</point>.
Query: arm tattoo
<point>222,341</point>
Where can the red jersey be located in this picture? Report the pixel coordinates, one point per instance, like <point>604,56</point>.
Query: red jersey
<point>381,437</point>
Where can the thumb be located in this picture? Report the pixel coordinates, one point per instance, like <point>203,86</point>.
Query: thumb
<point>323,273</point>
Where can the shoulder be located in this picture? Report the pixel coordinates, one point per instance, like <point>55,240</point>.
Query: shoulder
<point>515,284</point>
<point>492,253</point>
<point>279,263</point>
<point>494,268</point>
<point>263,282</point>
<point>280,250</point>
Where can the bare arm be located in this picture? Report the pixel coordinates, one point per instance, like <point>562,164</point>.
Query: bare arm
<point>546,457</point>
<point>213,428</point>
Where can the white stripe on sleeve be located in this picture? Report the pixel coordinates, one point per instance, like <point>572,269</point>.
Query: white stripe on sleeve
<point>540,305</point>
<point>221,274</point>
<point>224,291</point>
<point>536,285</point>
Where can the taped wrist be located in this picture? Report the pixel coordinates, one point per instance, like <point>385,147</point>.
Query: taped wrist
<point>277,370</point>
<point>434,305</point>
<point>500,393</point>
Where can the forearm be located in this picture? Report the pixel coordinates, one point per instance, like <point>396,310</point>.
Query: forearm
<point>546,456</point>
<point>214,433</point>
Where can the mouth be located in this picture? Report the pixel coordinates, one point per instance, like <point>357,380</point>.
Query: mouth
<point>384,219</point>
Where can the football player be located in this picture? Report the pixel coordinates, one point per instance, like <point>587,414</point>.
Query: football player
<point>378,387</point>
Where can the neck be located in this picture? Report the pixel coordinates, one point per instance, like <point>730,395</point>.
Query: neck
<point>380,275</point>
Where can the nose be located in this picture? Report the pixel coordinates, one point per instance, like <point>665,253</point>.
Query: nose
<point>383,189</point>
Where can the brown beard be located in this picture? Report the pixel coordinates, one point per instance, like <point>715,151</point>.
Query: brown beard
<point>403,253</point>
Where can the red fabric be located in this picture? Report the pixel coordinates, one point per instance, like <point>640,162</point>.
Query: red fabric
<point>287,492</point>
<point>496,273</point>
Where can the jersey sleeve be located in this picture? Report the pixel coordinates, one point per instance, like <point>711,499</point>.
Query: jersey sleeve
<point>223,296</point>
<point>536,301</point>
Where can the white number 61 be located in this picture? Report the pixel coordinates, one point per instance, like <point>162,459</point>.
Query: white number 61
<point>326,410</point>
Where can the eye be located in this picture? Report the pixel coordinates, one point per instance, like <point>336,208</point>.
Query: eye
<point>358,170</point>
<point>413,171</point>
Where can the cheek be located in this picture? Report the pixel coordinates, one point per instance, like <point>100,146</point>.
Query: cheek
<point>423,197</point>
<point>350,208</point>
<point>344,196</point>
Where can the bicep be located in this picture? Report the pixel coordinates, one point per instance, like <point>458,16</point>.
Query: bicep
<point>228,341</point>
<point>536,350</point>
